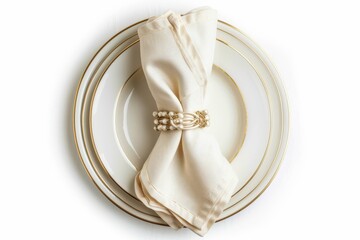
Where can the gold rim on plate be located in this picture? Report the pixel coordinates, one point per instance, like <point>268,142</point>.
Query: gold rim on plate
<point>123,51</point>
<point>100,160</point>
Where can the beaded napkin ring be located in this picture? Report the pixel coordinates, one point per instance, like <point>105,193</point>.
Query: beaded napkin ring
<point>168,120</point>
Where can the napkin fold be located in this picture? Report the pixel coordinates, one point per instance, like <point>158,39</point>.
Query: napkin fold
<point>186,180</point>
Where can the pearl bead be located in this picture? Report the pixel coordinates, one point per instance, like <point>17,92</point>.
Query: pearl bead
<point>172,128</point>
<point>207,117</point>
<point>155,128</point>
<point>180,115</point>
<point>205,111</point>
<point>156,121</point>
<point>159,127</point>
<point>155,113</point>
<point>171,114</point>
<point>181,126</point>
<point>207,123</point>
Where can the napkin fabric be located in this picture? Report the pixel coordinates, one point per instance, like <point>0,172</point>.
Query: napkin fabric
<point>186,180</point>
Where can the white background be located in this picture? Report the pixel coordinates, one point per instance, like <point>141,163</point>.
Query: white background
<point>44,190</point>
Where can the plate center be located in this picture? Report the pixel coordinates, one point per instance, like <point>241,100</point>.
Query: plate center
<point>134,121</point>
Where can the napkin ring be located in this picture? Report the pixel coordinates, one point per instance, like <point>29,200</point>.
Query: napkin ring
<point>168,120</point>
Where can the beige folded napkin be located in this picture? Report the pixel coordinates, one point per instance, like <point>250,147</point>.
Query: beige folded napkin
<point>186,180</point>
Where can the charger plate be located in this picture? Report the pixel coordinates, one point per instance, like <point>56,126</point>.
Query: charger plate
<point>113,122</point>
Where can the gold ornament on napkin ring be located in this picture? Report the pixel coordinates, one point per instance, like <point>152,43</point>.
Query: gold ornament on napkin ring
<point>168,120</point>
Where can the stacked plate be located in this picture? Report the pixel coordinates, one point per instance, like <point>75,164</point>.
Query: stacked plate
<point>113,123</point>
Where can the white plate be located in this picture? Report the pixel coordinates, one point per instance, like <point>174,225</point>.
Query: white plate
<point>123,139</point>
<point>120,149</point>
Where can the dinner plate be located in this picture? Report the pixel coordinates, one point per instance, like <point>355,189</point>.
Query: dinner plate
<point>253,154</point>
<point>121,115</point>
<point>244,86</point>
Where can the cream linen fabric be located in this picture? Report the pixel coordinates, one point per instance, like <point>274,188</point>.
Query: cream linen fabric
<point>185,180</point>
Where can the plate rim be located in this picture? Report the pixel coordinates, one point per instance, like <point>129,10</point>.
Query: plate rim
<point>265,64</point>
<point>99,80</point>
